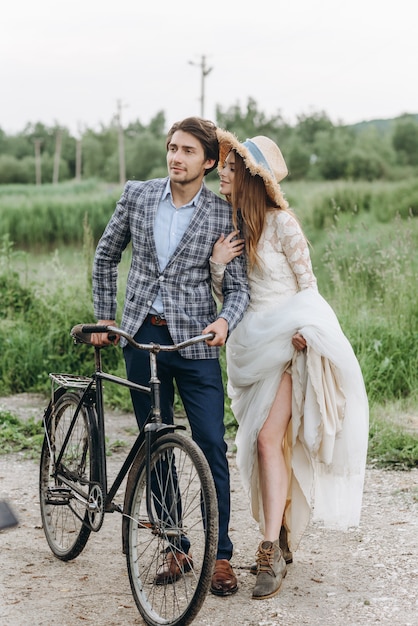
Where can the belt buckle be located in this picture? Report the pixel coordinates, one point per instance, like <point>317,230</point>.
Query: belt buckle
<point>158,320</point>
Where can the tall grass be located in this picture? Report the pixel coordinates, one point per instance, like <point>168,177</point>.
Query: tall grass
<point>364,251</point>
<point>365,261</point>
<point>42,217</point>
<point>35,338</point>
<point>370,277</point>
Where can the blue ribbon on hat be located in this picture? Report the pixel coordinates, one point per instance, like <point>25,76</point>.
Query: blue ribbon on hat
<point>256,153</point>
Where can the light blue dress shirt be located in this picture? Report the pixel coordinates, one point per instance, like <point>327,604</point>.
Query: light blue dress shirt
<point>170,225</point>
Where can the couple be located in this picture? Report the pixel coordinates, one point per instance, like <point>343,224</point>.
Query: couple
<point>287,356</point>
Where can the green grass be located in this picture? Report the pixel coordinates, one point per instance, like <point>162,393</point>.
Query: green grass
<point>17,435</point>
<point>26,437</point>
<point>364,239</point>
<point>390,445</point>
<point>45,216</point>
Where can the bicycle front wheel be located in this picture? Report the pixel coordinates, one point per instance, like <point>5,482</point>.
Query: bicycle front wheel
<point>171,549</point>
<point>65,517</point>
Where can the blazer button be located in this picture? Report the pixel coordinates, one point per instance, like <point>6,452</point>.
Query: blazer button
<point>161,278</point>
<point>149,302</point>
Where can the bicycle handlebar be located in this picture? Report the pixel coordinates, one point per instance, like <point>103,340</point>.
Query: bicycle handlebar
<point>81,334</point>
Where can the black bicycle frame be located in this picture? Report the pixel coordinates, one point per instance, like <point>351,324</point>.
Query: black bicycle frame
<point>153,427</point>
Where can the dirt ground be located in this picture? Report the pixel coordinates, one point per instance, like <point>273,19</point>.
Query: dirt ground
<point>366,576</point>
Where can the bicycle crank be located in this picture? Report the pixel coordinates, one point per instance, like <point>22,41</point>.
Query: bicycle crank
<point>95,508</point>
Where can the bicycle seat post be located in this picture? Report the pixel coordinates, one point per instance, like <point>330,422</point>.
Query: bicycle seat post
<point>98,359</point>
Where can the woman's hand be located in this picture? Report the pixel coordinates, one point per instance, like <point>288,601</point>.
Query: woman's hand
<point>298,342</point>
<point>227,248</point>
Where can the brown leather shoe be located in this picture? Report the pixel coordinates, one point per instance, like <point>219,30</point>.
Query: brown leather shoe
<point>224,581</point>
<point>175,564</point>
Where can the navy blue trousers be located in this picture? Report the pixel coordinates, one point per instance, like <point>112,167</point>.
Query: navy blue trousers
<point>199,383</point>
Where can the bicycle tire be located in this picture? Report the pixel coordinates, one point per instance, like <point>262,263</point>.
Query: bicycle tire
<point>186,472</point>
<point>64,518</point>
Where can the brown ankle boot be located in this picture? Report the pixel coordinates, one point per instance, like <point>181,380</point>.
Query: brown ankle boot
<point>284,546</point>
<point>271,569</point>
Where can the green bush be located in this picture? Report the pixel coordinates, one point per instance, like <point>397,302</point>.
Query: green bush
<point>12,170</point>
<point>14,297</point>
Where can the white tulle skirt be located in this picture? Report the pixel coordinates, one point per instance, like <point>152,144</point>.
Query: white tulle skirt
<point>326,442</point>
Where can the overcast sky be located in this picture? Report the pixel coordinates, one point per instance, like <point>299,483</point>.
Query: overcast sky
<point>71,62</point>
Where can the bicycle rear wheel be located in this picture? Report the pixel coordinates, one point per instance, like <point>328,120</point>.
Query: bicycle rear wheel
<point>185,511</point>
<point>65,518</point>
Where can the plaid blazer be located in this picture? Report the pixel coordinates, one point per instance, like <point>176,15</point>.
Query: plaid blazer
<point>185,282</point>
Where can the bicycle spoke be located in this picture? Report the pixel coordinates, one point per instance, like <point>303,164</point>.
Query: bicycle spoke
<point>65,519</point>
<point>184,509</point>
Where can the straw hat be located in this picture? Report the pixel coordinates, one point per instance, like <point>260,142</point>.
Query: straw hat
<point>261,156</point>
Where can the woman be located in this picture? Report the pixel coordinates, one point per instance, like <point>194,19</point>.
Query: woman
<point>295,385</point>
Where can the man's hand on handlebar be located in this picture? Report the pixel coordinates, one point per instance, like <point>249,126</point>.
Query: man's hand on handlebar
<point>220,328</point>
<point>102,339</point>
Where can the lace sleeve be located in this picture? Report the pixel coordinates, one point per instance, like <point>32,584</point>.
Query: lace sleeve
<point>296,250</point>
<point>217,271</point>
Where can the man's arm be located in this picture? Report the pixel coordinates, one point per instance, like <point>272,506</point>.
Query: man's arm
<point>106,260</point>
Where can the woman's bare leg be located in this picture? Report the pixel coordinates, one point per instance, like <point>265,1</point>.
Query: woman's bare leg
<point>271,565</point>
<point>271,460</point>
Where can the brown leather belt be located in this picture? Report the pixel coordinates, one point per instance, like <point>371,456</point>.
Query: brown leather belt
<point>157,320</point>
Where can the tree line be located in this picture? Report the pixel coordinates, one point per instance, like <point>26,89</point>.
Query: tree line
<point>314,148</point>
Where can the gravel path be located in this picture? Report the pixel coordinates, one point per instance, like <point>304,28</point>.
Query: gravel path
<point>366,576</point>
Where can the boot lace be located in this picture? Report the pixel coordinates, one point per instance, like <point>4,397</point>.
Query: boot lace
<point>264,558</point>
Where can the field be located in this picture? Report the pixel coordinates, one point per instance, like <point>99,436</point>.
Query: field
<point>363,236</point>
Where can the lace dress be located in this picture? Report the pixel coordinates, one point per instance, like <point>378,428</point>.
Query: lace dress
<point>326,442</point>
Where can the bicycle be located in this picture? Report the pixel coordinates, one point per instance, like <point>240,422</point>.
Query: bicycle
<point>169,499</point>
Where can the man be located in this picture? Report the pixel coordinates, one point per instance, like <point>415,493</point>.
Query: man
<point>173,224</point>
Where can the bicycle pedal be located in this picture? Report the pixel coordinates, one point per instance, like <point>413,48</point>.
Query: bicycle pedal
<point>114,508</point>
<point>59,495</point>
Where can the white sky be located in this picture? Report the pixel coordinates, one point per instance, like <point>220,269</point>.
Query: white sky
<point>70,62</point>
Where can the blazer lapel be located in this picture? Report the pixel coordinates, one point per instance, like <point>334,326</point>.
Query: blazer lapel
<point>197,222</point>
<point>151,204</point>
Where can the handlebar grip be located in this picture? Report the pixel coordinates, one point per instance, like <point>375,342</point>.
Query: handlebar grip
<point>81,333</point>
<point>93,328</point>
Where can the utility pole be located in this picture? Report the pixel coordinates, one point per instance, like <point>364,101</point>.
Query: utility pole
<point>57,156</point>
<point>121,144</point>
<point>204,71</point>
<point>78,153</point>
<point>38,170</point>
<point>78,159</point>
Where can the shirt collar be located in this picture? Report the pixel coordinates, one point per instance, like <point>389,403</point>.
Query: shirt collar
<point>193,201</point>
